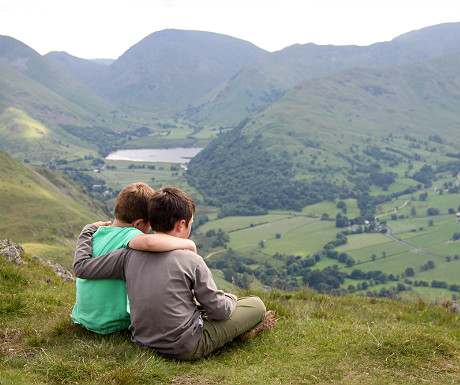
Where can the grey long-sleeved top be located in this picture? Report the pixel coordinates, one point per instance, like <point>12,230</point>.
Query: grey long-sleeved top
<point>162,288</point>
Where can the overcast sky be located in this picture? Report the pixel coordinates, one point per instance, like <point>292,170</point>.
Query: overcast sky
<point>107,28</point>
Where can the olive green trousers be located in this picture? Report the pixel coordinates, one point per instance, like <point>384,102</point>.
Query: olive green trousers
<point>249,312</point>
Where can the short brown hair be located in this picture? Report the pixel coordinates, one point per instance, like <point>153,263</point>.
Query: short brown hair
<point>132,202</point>
<point>169,205</point>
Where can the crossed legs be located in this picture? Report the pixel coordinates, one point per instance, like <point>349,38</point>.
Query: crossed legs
<point>250,316</point>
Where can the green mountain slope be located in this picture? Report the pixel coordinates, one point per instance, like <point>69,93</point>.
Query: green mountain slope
<point>30,119</point>
<point>44,125</point>
<point>266,77</point>
<point>318,339</point>
<point>335,137</point>
<point>29,62</point>
<point>170,69</point>
<point>85,71</point>
<point>42,208</point>
<point>45,115</point>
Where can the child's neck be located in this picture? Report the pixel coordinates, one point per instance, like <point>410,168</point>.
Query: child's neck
<point>119,223</point>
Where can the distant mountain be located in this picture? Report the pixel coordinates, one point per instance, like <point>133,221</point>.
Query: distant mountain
<point>57,105</point>
<point>30,63</point>
<point>171,69</point>
<point>85,71</point>
<point>336,137</point>
<point>265,78</point>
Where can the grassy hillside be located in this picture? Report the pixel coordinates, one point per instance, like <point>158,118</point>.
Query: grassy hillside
<point>85,71</point>
<point>339,136</point>
<point>47,116</point>
<point>42,209</point>
<point>30,119</point>
<point>318,339</point>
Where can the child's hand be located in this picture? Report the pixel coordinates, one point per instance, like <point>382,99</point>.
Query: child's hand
<point>191,246</point>
<point>99,224</point>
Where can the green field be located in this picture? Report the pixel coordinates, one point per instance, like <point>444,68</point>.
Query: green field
<point>331,209</point>
<point>283,233</point>
<point>304,234</point>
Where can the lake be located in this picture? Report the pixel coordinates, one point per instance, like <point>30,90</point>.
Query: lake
<point>166,155</point>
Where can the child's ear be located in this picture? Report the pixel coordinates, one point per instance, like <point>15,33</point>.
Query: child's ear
<point>137,223</point>
<point>179,225</point>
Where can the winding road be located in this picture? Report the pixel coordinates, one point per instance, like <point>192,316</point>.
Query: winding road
<point>389,235</point>
<point>415,249</point>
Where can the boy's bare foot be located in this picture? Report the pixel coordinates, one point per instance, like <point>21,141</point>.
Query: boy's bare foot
<point>267,324</point>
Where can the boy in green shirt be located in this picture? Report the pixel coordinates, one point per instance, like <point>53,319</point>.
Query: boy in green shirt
<point>102,305</point>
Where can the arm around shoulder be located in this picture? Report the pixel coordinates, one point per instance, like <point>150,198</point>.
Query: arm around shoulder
<point>106,266</point>
<point>160,243</point>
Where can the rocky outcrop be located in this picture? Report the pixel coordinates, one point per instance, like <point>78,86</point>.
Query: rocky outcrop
<point>11,251</point>
<point>60,271</point>
<point>14,252</point>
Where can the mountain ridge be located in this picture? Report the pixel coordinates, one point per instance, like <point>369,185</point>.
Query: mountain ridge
<point>267,77</point>
<point>143,93</point>
<point>30,63</point>
<point>197,61</point>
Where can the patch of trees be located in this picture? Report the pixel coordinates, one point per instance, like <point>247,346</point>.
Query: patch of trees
<point>91,184</point>
<point>221,238</point>
<point>396,151</point>
<point>324,280</point>
<point>243,179</point>
<point>376,153</point>
<point>140,166</point>
<point>427,266</point>
<point>425,175</point>
<point>236,173</point>
<point>238,270</point>
<point>382,179</point>
<point>391,292</point>
<point>105,139</point>
<point>452,167</point>
<point>436,139</point>
<point>432,211</point>
<point>376,276</point>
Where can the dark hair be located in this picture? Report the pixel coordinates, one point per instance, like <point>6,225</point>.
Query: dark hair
<point>167,206</point>
<point>132,202</point>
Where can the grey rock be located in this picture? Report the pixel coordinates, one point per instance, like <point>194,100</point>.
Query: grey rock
<point>60,271</point>
<point>13,252</point>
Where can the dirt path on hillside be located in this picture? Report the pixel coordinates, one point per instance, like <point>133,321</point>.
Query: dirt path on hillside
<point>412,247</point>
<point>395,210</point>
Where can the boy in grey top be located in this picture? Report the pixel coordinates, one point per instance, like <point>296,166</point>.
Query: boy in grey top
<point>163,288</point>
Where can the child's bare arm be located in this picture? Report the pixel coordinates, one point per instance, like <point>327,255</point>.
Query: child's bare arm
<point>160,243</point>
<point>102,223</point>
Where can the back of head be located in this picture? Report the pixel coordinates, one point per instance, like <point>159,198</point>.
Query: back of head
<point>168,206</point>
<point>132,202</point>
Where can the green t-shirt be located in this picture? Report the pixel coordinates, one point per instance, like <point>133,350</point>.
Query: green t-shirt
<point>101,304</point>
